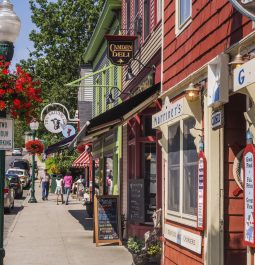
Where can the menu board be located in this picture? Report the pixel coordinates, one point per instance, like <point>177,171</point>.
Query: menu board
<point>107,219</point>
<point>136,200</point>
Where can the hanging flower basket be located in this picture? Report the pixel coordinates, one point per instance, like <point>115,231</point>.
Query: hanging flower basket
<point>34,147</point>
<point>19,93</point>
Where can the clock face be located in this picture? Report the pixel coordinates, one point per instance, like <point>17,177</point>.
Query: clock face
<point>246,7</point>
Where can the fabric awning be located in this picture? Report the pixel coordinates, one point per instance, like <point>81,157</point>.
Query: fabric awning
<point>60,145</point>
<point>82,160</point>
<point>116,115</point>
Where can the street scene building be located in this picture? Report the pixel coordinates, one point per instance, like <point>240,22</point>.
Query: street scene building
<point>158,140</point>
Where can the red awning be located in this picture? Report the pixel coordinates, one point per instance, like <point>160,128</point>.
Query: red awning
<point>82,160</point>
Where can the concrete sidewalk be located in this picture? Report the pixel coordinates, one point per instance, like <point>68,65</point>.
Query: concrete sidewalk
<point>50,234</point>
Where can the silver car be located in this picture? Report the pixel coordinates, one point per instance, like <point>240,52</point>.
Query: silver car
<point>22,173</point>
<point>8,196</point>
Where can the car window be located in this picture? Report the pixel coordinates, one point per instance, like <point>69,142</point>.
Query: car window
<point>18,172</point>
<point>21,164</point>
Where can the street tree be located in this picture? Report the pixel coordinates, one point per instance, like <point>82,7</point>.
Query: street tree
<point>63,30</point>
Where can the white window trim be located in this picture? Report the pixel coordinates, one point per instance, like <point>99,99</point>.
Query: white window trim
<point>180,28</point>
<point>159,10</point>
<point>179,217</point>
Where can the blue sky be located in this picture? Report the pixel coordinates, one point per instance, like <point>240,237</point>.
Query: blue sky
<point>22,44</point>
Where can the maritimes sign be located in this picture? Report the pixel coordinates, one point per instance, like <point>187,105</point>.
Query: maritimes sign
<point>6,134</point>
<point>120,48</point>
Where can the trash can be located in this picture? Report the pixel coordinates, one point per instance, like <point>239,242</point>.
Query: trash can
<point>53,183</point>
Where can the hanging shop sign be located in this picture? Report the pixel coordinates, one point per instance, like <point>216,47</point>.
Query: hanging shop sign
<point>68,131</point>
<point>217,120</point>
<point>120,48</point>
<point>6,134</point>
<point>169,112</point>
<point>245,7</point>
<point>244,75</point>
<point>249,165</point>
<point>201,193</point>
<point>55,121</point>
<point>107,219</point>
<point>183,238</point>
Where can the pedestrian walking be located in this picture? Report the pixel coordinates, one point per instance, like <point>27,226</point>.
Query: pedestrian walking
<point>59,188</point>
<point>68,180</point>
<point>45,183</point>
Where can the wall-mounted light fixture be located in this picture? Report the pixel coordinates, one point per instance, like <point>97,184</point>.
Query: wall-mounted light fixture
<point>193,92</point>
<point>110,98</point>
<point>241,58</point>
<point>130,75</point>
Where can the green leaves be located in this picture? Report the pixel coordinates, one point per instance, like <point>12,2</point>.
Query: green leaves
<point>63,30</point>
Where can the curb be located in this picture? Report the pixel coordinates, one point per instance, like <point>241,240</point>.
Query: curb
<point>25,203</point>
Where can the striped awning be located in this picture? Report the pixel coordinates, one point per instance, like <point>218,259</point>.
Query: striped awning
<point>82,160</point>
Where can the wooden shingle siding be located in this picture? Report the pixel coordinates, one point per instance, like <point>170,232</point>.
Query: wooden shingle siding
<point>215,26</point>
<point>234,141</point>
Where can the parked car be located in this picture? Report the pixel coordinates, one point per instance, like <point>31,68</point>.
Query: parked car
<point>17,151</point>
<point>20,163</point>
<point>22,173</point>
<point>8,196</point>
<point>16,184</point>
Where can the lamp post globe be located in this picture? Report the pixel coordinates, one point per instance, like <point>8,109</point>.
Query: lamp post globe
<point>9,31</point>
<point>34,125</point>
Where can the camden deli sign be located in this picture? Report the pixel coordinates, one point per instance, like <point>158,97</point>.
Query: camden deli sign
<point>120,48</point>
<point>248,165</point>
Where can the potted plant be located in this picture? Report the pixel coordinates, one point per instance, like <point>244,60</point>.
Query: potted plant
<point>136,248</point>
<point>154,250</point>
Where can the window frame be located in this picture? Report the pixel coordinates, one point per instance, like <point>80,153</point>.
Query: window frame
<point>178,216</point>
<point>149,19</point>
<point>179,28</point>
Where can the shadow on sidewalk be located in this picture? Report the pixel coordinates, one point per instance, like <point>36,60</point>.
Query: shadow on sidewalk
<point>84,220</point>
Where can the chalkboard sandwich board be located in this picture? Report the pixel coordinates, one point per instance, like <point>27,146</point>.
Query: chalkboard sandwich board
<point>107,227</point>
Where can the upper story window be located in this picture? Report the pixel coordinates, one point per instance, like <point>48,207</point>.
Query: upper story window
<point>146,19</point>
<point>182,170</point>
<point>159,10</point>
<point>184,9</point>
<point>128,17</point>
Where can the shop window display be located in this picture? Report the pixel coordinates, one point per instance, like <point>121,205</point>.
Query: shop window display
<point>182,168</point>
<point>108,178</point>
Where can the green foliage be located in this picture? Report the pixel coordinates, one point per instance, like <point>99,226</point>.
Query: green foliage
<point>154,249</point>
<point>135,245</point>
<point>20,129</point>
<point>63,30</point>
<point>60,163</point>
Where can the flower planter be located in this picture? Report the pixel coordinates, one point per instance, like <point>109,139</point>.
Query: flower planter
<point>140,259</point>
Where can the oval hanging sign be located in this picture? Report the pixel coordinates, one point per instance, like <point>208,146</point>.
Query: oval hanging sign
<point>55,121</point>
<point>245,7</point>
<point>68,131</point>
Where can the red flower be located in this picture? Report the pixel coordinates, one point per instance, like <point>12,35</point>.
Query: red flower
<point>34,147</point>
<point>2,105</point>
<point>5,72</point>
<point>2,92</point>
<point>16,103</point>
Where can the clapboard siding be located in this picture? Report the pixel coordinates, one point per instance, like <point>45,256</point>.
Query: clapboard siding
<point>215,26</point>
<point>234,132</point>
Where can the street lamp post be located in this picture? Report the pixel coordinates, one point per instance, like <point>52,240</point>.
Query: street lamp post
<point>9,31</point>
<point>34,127</point>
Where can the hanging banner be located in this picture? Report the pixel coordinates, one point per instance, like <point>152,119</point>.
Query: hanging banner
<point>245,7</point>
<point>55,121</point>
<point>248,165</point>
<point>201,192</point>
<point>120,48</point>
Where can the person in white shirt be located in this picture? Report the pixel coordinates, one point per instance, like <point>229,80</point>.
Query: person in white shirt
<point>59,188</point>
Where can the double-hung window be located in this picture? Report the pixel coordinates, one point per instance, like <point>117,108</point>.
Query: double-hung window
<point>184,9</point>
<point>182,170</point>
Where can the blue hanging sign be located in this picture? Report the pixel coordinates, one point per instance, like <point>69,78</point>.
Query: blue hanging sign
<point>68,131</point>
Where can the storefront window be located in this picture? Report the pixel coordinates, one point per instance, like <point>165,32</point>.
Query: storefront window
<point>108,185</point>
<point>182,168</point>
<point>149,175</point>
<point>97,177</point>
